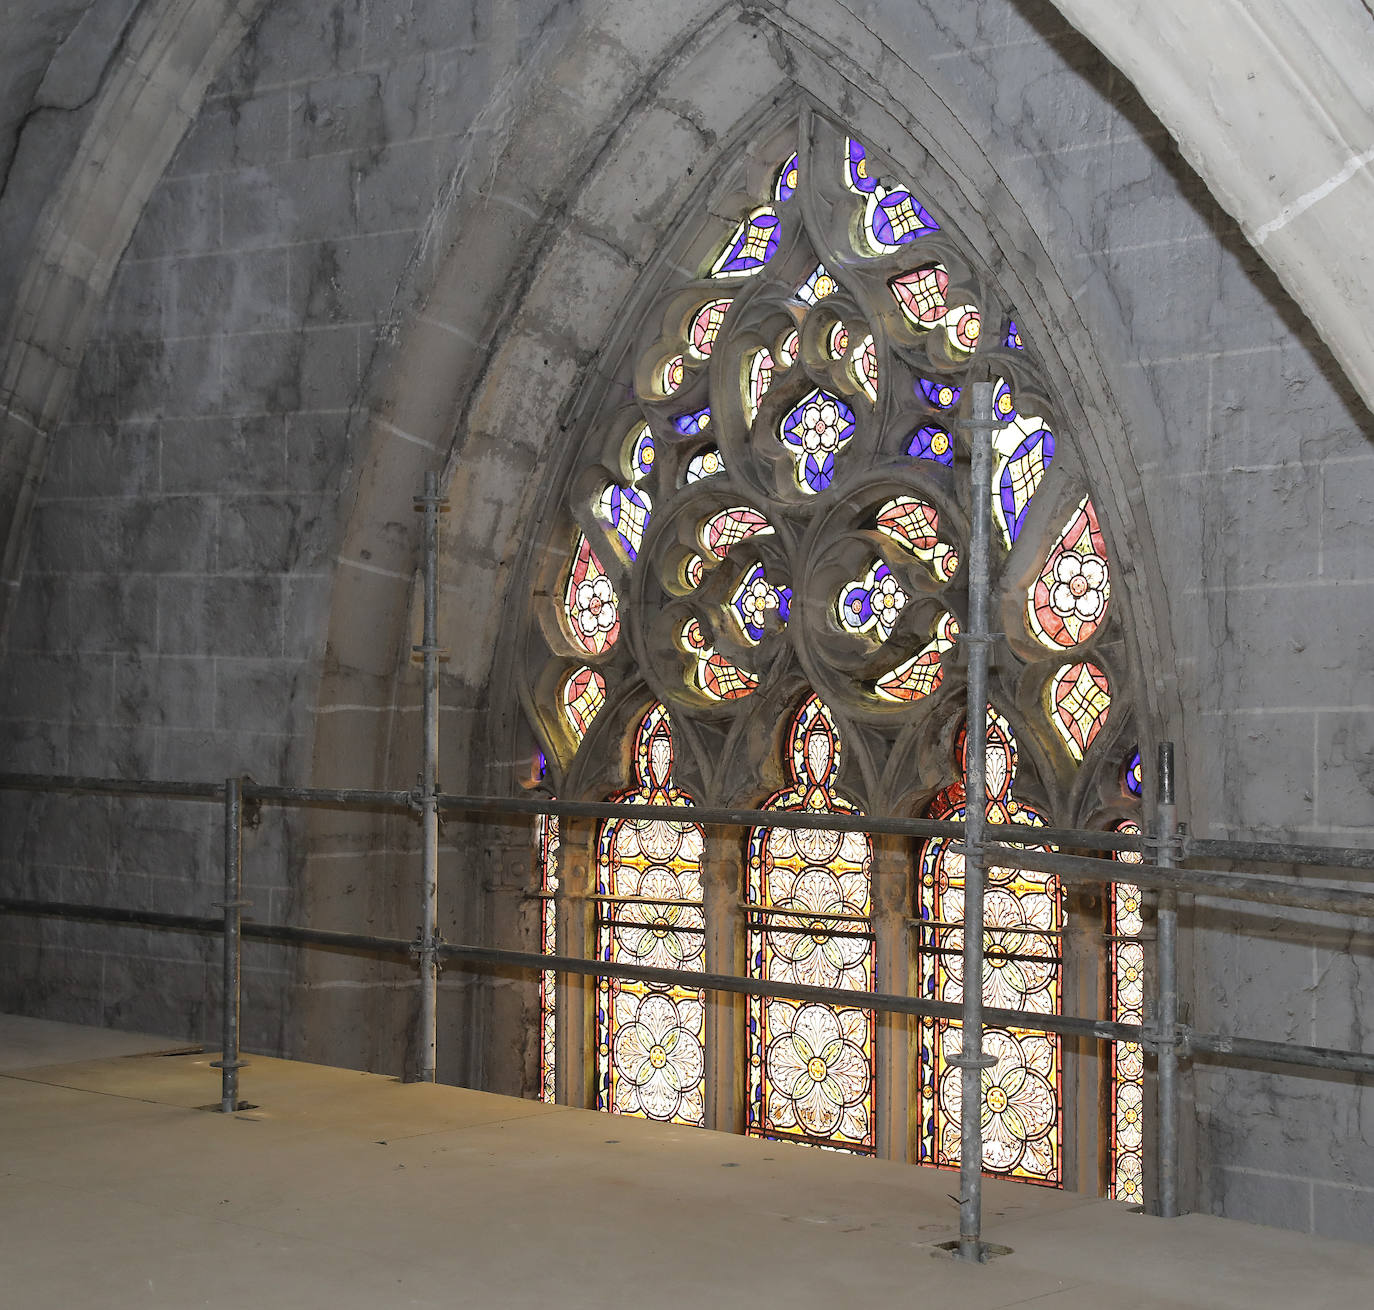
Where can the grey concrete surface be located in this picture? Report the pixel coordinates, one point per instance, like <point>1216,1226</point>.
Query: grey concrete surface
<point>349,1189</point>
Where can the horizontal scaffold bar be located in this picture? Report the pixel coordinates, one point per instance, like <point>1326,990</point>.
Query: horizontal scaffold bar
<point>1245,1048</point>
<point>1008,852</point>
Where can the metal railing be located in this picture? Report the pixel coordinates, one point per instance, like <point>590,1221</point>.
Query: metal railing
<point>981,843</point>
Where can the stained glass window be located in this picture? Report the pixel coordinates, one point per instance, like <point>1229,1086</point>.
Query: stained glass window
<point>816,287</point>
<point>650,1038</point>
<point>791,345</point>
<point>584,693</point>
<point>757,602</point>
<point>704,464</point>
<point>690,424</point>
<point>787,180</point>
<point>921,294</point>
<point>811,1066</point>
<point>674,372</point>
<point>1079,701</point>
<point>1022,1125</point>
<point>731,526</point>
<point>641,452</point>
<point>751,246</point>
<point>547,829</point>
<point>932,443</point>
<point>938,393</point>
<point>705,327</point>
<point>813,432</point>
<point>893,216</point>
<point>872,604</point>
<point>1126,965</point>
<point>626,509</point>
<point>805,395</point>
<point>590,602</point>
<point>921,675</point>
<point>866,367</point>
<point>760,379</point>
<point>1132,775</point>
<point>1069,597</point>
<point>713,673</point>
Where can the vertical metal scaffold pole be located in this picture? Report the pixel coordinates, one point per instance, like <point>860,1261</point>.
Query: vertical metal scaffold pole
<point>977,639</point>
<point>1166,945</point>
<point>427,1033</point>
<point>229,1063</point>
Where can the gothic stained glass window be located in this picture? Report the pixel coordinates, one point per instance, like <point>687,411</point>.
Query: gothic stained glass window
<point>810,1065</point>
<point>650,1037</point>
<point>626,509</point>
<point>938,393</point>
<point>1126,978</point>
<point>547,830</point>
<point>690,424</point>
<point>760,379</point>
<point>787,518</point>
<point>1022,1124</point>
<point>706,326</point>
<point>921,675</point>
<point>817,286</point>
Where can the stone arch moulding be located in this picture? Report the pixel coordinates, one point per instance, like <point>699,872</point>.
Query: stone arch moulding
<point>144,107</point>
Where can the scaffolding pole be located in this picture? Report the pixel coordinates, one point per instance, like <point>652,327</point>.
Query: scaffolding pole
<point>233,906</point>
<point>976,640</point>
<point>1166,1005</point>
<point>427,796</point>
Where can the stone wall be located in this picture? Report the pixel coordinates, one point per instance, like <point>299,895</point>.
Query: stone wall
<point>387,219</point>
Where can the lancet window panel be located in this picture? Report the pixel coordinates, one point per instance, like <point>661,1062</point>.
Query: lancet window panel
<point>1022,970</point>
<point>809,896</point>
<point>651,1038</point>
<point>769,516</point>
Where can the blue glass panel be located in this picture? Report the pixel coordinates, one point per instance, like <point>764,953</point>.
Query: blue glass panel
<point>688,425</point>
<point>1013,341</point>
<point>1003,406</point>
<point>940,394</point>
<point>1021,476</point>
<point>899,217</point>
<point>932,443</point>
<point>753,246</point>
<point>859,177</point>
<point>629,517</point>
<point>787,181</point>
<point>1133,774</point>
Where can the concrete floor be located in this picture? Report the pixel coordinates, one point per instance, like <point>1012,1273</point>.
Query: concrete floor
<point>352,1190</point>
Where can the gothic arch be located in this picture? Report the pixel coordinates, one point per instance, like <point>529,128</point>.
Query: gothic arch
<point>566,208</point>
